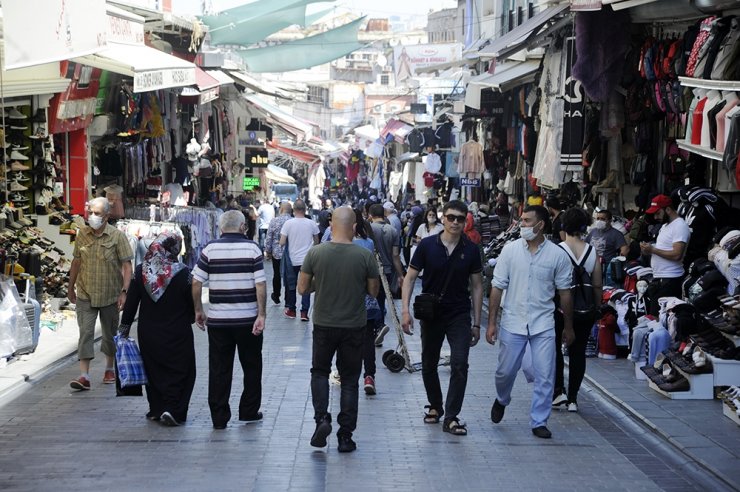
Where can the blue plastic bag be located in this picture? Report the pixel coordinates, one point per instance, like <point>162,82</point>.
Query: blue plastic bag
<point>128,362</point>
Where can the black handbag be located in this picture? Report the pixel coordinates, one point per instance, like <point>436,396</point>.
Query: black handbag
<point>427,305</point>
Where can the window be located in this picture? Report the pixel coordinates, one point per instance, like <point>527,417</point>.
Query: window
<point>385,79</point>
<point>366,56</point>
<point>318,95</point>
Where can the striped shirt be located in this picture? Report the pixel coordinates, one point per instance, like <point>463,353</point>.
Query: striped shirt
<point>232,266</point>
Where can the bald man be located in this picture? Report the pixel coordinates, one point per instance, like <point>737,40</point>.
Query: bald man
<point>340,273</point>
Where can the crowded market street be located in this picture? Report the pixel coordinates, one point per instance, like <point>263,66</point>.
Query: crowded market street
<point>56,439</point>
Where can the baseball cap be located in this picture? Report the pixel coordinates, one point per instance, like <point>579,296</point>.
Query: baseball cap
<point>389,206</point>
<point>659,202</point>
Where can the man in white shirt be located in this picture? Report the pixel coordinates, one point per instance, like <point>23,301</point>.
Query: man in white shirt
<point>530,270</point>
<point>666,255</point>
<point>299,234</point>
<point>265,213</point>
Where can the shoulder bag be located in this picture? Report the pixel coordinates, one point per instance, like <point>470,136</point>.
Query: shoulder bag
<point>426,305</point>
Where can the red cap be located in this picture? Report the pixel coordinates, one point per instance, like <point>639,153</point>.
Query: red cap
<point>660,201</point>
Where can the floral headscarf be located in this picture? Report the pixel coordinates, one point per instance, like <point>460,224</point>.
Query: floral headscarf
<point>160,264</point>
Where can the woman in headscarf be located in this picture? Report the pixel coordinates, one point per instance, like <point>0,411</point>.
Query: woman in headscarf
<point>161,291</point>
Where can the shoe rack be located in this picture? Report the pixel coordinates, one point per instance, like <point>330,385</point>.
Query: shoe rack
<point>701,387</point>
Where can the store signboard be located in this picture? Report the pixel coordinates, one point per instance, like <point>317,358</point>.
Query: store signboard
<point>153,80</point>
<point>251,182</point>
<point>52,30</point>
<point>124,30</point>
<point>407,59</point>
<point>472,182</point>
<point>574,108</point>
<point>256,157</point>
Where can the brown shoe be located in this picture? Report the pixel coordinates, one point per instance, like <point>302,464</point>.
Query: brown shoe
<point>109,377</point>
<point>80,384</point>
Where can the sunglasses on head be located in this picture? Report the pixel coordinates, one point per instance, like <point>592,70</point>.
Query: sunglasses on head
<point>455,218</point>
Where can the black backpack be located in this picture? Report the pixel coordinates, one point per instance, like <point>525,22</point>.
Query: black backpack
<point>585,307</point>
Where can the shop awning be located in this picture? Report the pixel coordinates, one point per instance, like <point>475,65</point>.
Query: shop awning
<point>222,78</point>
<point>298,154</point>
<point>251,83</point>
<point>151,69</point>
<point>514,40</point>
<point>277,174</point>
<point>286,122</point>
<point>440,67</point>
<point>398,129</point>
<point>507,77</point>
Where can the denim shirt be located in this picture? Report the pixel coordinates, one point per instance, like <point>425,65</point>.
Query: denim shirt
<point>530,281</point>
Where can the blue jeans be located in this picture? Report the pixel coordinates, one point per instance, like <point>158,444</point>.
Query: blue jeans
<point>510,356</point>
<point>433,333</point>
<point>261,238</point>
<point>290,296</point>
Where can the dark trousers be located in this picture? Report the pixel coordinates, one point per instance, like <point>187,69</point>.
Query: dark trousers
<point>276,279</point>
<point>433,333</point>
<point>381,296</point>
<point>290,296</point>
<point>662,287</point>
<point>368,346</point>
<point>576,358</point>
<point>347,344</point>
<point>222,343</point>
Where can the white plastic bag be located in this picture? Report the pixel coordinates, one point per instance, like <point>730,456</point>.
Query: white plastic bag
<point>15,332</point>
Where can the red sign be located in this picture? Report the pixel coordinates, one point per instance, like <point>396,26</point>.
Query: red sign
<point>74,108</point>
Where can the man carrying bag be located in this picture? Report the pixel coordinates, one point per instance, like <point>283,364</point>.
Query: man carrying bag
<point>451,264</point>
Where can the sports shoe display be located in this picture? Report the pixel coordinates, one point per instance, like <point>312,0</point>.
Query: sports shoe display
<point>20,177</point>
<point>17,156</point>
<point>14,114</point>
<point>369,385</point>
<point>16,186</point>
<point>18,166</point>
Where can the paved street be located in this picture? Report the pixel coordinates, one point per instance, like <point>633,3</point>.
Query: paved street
<point>57,440</point>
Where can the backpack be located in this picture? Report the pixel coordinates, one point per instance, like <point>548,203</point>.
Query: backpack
<point>585,309</point>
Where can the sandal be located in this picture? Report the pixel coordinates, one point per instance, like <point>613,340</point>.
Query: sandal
<point>432,416</point>
<point>455,427</point>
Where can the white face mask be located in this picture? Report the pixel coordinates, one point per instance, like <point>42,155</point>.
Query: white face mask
<point>642,287</point>
<point>600,224</point>
<point>95,221</point>
<point>528,233</point>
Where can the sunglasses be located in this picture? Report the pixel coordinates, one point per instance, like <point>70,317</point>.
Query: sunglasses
<point>455,218</point>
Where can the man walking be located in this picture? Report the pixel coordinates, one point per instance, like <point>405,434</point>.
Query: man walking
<point>296,237</point>
<point>341,273</point>
<point>530,270</point>
<point>98,281</point>
<point>666,255</point>
<point>273,250</point>
<point>452,267</point>
<point>392,216</point>
<point>265,214</point>
<point>232,266</point>
<point>387,244</point>
<point>606,240</point>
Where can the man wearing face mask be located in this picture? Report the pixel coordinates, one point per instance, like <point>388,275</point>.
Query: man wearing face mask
<point>98,281</point>
<point>607,241</point>
<point>530,270</point>
<point>666,255</point>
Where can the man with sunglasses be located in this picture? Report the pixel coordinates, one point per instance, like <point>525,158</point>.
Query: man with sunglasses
<point>448,252</point>
<point>530,270</point>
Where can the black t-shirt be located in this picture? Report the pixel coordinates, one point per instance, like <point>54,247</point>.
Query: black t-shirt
<point>557,226</point>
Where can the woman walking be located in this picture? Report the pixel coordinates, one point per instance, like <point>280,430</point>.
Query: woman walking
<point>161,291</point>
<point>575,223</point>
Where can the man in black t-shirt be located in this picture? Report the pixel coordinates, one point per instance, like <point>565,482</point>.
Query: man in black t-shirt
<point>554,207</point>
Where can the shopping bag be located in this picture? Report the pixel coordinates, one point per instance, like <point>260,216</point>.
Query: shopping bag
<point>128,362</point>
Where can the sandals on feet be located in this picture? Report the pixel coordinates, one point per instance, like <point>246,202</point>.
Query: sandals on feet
<point>432,416</point>
<point>455,427</point>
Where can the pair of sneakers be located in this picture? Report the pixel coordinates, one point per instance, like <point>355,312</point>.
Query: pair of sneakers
<point>345,444</point>
<point>290,313</point>
<point>83,384</point>
<point>562,399</point>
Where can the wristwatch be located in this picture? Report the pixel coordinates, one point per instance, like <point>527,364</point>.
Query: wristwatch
<point>124,291</point>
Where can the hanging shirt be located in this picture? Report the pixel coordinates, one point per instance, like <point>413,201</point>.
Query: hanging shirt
<point>432,163</point>
<point>471,158</point>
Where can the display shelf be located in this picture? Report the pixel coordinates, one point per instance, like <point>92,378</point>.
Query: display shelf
<point>701,388</point>
<point>51,232</point>
<point>698,149</point>
<point>726,372</point>
<point>639,375</point>
<point>728,412</point>
<point>722,85</point>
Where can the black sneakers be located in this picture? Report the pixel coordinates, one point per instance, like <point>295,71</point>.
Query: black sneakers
<point>346,444</point>
<point>323,429</point>
<point>542,432</point>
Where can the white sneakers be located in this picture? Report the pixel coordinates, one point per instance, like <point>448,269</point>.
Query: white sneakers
<point>572,407</point>
<point>14,114</point>
<point>16,186</point>
<point>17,156</point>
<point>561,399</point>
